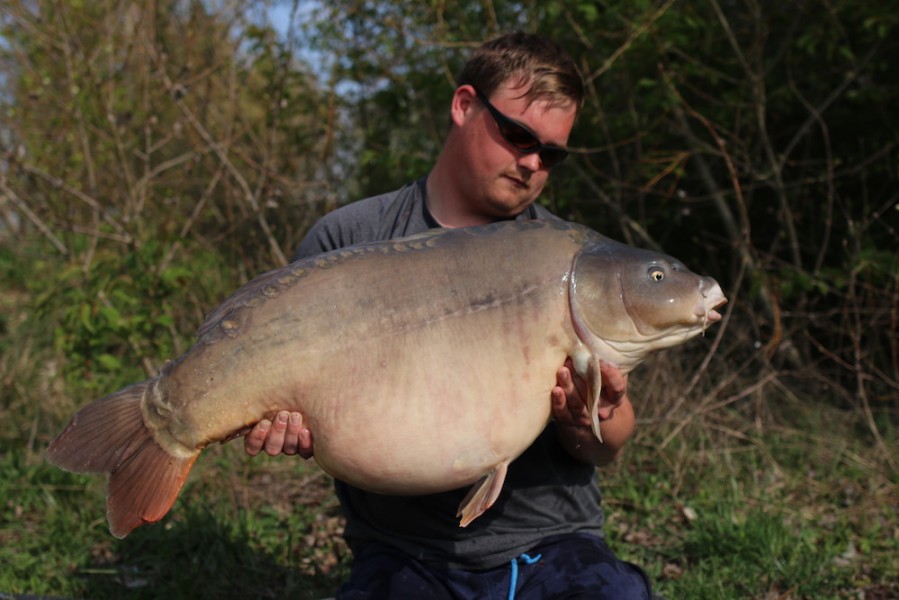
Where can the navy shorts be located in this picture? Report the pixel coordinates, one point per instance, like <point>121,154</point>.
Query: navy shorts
<point>565,566</point>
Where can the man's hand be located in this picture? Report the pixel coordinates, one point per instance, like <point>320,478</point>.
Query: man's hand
<point>569,407</point>
<point>285,435</point>
<point>569,397</point>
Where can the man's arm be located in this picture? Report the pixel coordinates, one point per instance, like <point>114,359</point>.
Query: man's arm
<point>573,423</point>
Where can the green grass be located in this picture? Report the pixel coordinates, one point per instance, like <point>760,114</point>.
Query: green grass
<point>219,541</point>
<point>729,521</point>
<point>781,513</point>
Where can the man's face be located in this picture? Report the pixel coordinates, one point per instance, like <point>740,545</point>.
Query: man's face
<point>498,179</point>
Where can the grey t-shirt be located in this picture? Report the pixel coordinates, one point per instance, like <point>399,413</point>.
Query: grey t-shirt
<point>547,492</point>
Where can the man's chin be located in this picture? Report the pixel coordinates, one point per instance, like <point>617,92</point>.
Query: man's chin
<point>510,208</point>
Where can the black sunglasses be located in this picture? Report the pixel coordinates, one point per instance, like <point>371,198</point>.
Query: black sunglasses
<point>521,138</point>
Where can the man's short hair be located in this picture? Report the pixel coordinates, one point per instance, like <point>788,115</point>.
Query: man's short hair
<point>538,65</point>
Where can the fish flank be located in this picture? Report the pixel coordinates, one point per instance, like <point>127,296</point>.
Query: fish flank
<point>231,318</point>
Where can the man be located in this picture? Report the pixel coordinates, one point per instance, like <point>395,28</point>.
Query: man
<point>511,116</point>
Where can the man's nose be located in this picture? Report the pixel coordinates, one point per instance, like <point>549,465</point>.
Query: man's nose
<point>530,161</point>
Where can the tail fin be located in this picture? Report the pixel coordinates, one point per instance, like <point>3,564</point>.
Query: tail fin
<point>109,436</point>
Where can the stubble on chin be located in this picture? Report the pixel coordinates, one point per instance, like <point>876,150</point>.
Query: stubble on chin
<point>508,200</point>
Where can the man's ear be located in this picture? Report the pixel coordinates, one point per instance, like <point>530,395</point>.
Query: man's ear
<point>463,105</point>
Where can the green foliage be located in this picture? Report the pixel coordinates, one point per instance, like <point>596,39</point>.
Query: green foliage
<point>124,314</point>
<point>159,120</point>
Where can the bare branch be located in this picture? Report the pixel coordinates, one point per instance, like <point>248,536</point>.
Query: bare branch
<point>639,31</point>
<point>11,196</point>
<point>248,195</point>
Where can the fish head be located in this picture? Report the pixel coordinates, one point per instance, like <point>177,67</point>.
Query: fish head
<point>627,302</point>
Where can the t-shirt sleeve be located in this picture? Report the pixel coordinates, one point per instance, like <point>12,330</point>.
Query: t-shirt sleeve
<point>348,225</point>
<point>319,239</point>
<point>394,214</point>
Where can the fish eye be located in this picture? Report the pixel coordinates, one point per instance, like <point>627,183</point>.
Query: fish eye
<point>656,274</point>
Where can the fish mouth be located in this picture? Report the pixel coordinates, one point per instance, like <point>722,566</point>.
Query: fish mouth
<point>712,314</point>
<point>712,299</point>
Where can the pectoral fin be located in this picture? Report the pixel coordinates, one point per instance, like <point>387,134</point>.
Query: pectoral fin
<point>588,368</point>
<point>594,387</point>
<point>482,495</point>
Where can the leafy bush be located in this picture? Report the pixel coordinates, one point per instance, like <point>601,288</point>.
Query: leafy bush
<point>118,320</point>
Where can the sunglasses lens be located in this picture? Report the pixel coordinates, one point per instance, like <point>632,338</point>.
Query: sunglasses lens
<point>525,141</point>
<point>550,156</point>
<point>519,137</point>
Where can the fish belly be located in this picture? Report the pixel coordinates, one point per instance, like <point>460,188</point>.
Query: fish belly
<point>437,409</point>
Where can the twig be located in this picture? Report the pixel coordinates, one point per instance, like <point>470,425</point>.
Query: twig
<point>741,234</point>
<point>194,215</point>
<point>60,184</point>
<point>630,223</point>
<point>141,184</point>
<point>855,334</point>
<point>639,31</point>
<point>20,205</point>
<point>84,139</point>
<point>703,366</point>
<point>248,195</point>
<point>828,150</point>
<point>748,391</point>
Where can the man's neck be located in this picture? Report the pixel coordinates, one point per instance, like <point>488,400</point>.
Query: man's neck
<point>445,206</point>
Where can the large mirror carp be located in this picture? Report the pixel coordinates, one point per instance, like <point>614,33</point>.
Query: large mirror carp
<point>420,365</point>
